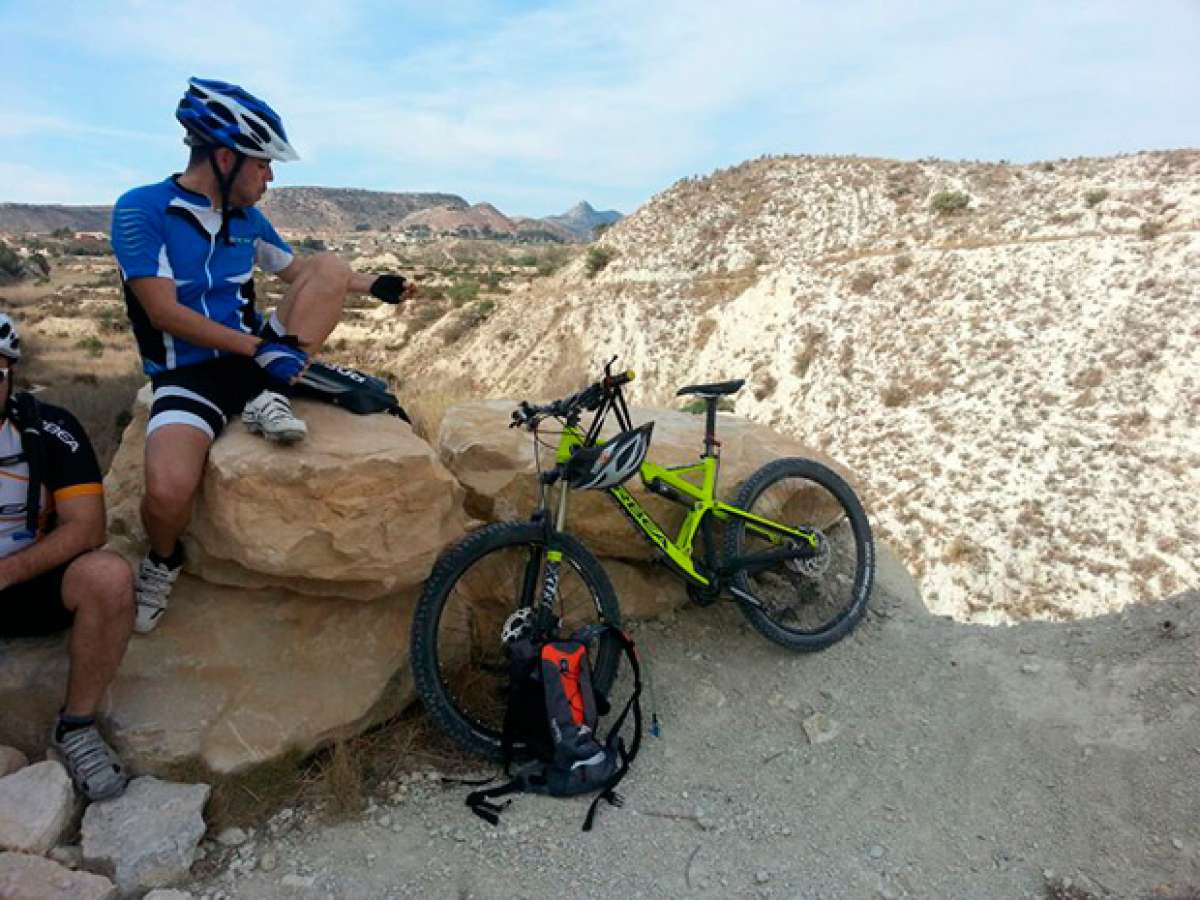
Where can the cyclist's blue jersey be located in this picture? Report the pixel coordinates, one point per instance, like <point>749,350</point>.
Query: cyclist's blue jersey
<point>165,231</point>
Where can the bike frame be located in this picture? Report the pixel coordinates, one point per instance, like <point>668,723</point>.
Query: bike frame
<point>670,482</point>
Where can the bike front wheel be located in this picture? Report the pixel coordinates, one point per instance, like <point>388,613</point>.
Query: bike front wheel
<point>477,589</point>
<point>803,604</point>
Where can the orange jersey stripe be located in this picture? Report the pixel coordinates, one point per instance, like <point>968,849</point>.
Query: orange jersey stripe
<point>78,490</point>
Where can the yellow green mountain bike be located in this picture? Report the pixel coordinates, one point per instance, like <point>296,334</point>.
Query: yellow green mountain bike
<point>796,555</point>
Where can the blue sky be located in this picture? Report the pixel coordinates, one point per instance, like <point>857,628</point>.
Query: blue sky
<point>533,106</point>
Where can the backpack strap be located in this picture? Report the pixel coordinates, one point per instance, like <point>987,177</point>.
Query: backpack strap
<point>27,416</point>
<point>614,741</point>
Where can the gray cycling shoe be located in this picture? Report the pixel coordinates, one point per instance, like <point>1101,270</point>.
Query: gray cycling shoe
<point>93,766</point>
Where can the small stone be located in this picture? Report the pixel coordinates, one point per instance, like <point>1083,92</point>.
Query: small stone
<point>762,876</point>
<point>786,832</point>
<point>36,805</point>
<point>303,882</point>
<point>820,728</point>
<point>1177,843</point>
<point>232,837</point>
<point>25,875</point>
<point>385,821</point>
<point>876,852</point>
<point>268,861</point>
<point>1030,668</point>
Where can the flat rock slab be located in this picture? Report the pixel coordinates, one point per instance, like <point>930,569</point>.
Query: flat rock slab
<point>36,804</point>
<point>147,837</point>
<point>25,877</point>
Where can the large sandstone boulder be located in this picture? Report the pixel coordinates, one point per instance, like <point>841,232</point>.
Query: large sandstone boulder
<point>495,464</point>
<point>360,509</point>
<point>232,678</point>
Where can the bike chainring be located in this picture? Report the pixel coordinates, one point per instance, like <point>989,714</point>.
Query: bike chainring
<point>517,626</point>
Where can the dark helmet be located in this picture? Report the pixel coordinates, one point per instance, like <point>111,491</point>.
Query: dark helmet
<point>611,463</point>
<point>219,114</point>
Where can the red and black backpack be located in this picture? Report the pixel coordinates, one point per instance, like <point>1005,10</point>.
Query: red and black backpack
<point>552,720</point>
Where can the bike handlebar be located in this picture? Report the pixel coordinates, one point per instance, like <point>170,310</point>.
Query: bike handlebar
<point>589,398</point>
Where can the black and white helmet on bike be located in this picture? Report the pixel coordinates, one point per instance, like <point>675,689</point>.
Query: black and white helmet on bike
<point>10,341</point>
<point>608,465</point>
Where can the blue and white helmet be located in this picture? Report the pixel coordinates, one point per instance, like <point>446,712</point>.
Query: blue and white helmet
<point>224,115</point>
<point>10,341</point>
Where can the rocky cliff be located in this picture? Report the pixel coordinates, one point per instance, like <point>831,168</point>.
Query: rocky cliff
<point>1007,354</point>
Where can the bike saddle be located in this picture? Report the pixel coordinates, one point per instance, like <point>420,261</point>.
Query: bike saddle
<point>712,390</point>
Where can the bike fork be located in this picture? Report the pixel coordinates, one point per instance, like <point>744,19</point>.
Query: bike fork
<point>548,601</point>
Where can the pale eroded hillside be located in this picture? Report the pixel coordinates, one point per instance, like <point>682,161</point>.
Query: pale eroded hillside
<point>1015,382</point>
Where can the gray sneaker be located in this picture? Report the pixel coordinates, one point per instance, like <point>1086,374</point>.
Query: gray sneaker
<point>270,414</point>
<point>93,766</point>
<point>152,589</point>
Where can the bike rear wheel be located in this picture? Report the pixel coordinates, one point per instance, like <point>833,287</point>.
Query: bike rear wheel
<point>804,604</point>
<point>460,663</point>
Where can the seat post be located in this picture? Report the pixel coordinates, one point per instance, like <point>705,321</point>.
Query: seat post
<point>710,425</point>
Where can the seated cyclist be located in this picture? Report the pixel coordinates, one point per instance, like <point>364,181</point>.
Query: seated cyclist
<point>52,577</point>
<point>187,248</point>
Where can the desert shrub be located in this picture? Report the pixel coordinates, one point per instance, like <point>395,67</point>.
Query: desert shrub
<point>597,259</point>
<point>363,226</point>
<point>526,259</point>
<point>949,202</point>
<point>62,233</point>
<point>311,244</point>
<point>766,387</point>
<point>863,281</point>
<point>697,406</point>
<point>1149,230</point>
<point>463,291</point>
<point>11,263</point>
<point>91,345</point>
<point>1099,195</point>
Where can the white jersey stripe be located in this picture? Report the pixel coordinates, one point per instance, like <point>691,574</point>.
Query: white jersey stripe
<point>179,417</point>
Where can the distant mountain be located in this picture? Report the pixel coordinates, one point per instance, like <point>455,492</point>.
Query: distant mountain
<point>484,221</point>
<point>312,210</point>
<point>344,209</point>
<point>581,219</point>
<point>41,217</point>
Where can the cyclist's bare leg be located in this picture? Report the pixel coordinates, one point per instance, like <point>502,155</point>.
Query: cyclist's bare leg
<point>98,588</point>
<point>175,456</point>
<point>313,303</point>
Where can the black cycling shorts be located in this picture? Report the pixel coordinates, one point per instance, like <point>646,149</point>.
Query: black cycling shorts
<point>35,607</point>
<point>205,396</point>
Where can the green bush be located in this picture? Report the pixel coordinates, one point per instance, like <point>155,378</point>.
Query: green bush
<point>312,245</point>
<point>10,262</point>
<point>597,259</point>
<point>697,406</point>
<point>93,346</point>
<point>1099,195</point>
<point>526,259</point>
<point>463,291</point>
<point>949,202</point>
<point>63,232</point>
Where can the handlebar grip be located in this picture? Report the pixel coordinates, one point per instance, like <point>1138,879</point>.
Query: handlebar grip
<point>611,381</point>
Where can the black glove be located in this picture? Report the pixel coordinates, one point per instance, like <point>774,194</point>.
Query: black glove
<point>389,288</point>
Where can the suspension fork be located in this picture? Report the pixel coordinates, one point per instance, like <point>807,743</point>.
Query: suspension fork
<point>546,621</point>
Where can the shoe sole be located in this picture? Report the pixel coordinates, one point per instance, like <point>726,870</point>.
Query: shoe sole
<point>276,437</point>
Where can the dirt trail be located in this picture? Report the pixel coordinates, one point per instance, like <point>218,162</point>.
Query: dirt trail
<point>963,761</point>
